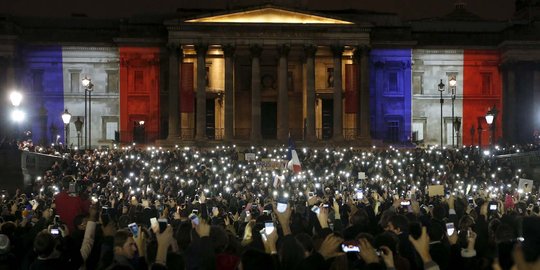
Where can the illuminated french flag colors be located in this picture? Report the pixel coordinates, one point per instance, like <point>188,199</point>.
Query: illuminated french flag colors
<point>139,94</point>
<point>482,90</point>
<point>42,85</point>
<point>404,94</point>
<point>478,89</point>
<point>390,95</point>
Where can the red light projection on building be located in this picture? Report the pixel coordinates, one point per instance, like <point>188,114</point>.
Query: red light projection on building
<point>482,89</point>
<point>139,94</point>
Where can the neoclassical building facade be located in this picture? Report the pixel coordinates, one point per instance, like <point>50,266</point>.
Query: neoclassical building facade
<point>264,73</point>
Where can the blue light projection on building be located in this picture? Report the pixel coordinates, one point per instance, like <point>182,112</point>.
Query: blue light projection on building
<point>390,95</point>
<point>41,81</point>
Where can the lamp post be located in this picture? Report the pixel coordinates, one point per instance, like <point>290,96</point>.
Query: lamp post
<point>457,127</point>
<point>441,90</point>
<point>78,127</point>
<point>480,129</point>
<point>142,131</point>
<point>66,118</point>
<point>88,87</point>
<point>472,134</point>
<point>491,116</point>
<point>17,115</point>
<point>452,83</point>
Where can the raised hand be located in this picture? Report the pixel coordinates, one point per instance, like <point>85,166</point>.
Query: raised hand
<point>367,252</point>
<point>422,245</point>
<point>329,247</point>
<point>284,219</point>
<point>203,229</point>
<point>387,256</point>
<point>323,216</point>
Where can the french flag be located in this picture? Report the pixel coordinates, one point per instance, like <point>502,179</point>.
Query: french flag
<point>294,163</point>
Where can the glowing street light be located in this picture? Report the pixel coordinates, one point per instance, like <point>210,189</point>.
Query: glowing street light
<point>88,87</point>
<point>18,115</point>
<point>452,82</point>
<point>15,97</point>
<point>441,90</point>
<point>490,119</point>
<point>66,118</point>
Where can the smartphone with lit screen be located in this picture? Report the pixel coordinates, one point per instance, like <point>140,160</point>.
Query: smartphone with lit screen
<point>450,229</point>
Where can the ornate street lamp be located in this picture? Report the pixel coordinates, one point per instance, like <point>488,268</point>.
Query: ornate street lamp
<point>66,118</point>
<point>17,115</point>
<point>453,83</point>
<point>78,127</point>
<point>15,97</point>
<point>88,87</point>
<point>441,90</point>
<point>491,117</point>
<point>457,128</point>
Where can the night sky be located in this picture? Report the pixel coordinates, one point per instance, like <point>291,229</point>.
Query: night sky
<point>407,9</point>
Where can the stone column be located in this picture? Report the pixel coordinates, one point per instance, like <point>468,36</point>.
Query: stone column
<point>338,101</point>
<point>283,95</point>
<point>228,52</point>
<point>201,92</point>
<point>509,104</point>
<point>174,114</point>
<point>255,93</point>
<point>365,125</point>
<point>310,51</point>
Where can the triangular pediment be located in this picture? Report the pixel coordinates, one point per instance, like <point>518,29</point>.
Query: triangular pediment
<point>268,15</point>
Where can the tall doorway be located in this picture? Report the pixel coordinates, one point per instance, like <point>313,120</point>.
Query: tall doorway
<point>269,120</point>
<point>327,118</point>
<point>210,119</point>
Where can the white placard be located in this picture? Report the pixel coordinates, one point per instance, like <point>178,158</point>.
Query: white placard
<point>525,185</point>
<point>361,175</point>
<point>250,156</point>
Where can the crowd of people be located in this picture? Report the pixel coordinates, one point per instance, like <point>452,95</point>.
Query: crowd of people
<point>229,208</point>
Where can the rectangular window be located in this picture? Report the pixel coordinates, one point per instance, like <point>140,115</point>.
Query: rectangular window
<point>138,81</point>
<point>392,82</point>
<point>112,81</point>
<point>450,134</point>
<point>110,129</point>
<point>418,131</point>
<point>37,80</point>
<point>418,82</point>
<point>486,84</point>
<point>75,78</point>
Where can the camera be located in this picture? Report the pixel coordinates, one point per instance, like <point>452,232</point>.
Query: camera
<point>282,205</point>
<point>55,232</point>
<point>450,228</point>
<point>350,246</point>
<point>134,229</point>
<point>194,218</point>
<point>493,206</point>
<point>268,227</point>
